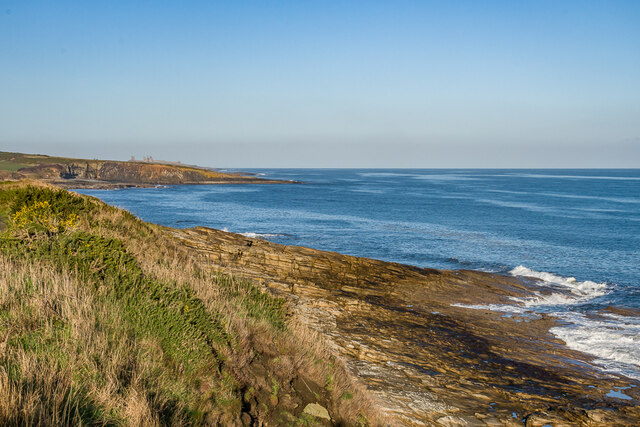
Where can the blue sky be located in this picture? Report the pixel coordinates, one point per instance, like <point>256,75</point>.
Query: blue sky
<point>324,83</point>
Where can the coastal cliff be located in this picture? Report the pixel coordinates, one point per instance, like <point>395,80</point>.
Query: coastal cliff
<point>77,173</point>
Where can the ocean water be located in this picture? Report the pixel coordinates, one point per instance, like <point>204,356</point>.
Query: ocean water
<point>576,230</point>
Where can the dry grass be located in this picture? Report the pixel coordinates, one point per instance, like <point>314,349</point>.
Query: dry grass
<point>64,359</point>
<point>113,323</point>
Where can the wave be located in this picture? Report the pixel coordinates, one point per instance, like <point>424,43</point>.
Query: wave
<point>613,339</point>
<point>505,308</point>
<point>578,292</point>
<point>261,235</point>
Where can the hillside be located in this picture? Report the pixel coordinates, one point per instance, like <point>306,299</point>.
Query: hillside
<point>106,320</point>
<point>76,173</point>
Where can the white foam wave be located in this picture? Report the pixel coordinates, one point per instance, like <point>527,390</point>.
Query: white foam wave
<point>613,339</point>
<point>571,291</point>
<point>492,307</point>
<point>260,235</point>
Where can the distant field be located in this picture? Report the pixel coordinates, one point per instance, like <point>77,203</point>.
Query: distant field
<point>12,166</point>
<point>14,161</point>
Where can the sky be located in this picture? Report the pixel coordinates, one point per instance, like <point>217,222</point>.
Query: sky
<point>324,83</point>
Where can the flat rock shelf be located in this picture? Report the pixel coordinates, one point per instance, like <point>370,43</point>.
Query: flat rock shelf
<point>426,361</point>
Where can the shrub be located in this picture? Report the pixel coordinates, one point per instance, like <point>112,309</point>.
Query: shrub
<point>39,217</point>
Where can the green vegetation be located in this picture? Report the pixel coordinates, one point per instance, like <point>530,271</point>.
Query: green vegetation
<point>14,161</point>
<point>12,166</point>
<point>104,319</point>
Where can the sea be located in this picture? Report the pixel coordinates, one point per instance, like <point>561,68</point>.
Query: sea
<point>578,231</point>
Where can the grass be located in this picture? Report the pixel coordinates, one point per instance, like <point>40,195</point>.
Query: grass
<point>106,320</point>
<point>12,166</point>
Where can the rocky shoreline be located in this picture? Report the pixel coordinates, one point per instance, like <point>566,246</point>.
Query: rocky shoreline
<point>426,361</point>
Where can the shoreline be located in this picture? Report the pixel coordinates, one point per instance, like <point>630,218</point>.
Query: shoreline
<point>427,360</point>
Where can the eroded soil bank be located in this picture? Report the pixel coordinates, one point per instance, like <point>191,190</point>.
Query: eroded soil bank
<point>426,361</point>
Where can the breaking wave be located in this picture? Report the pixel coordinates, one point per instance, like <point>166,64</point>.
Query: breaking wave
<point>559,290</point>
<point>261,235</point>
<point>613,339</point>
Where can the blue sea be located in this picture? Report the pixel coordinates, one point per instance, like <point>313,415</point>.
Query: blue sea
<point>576,230</point>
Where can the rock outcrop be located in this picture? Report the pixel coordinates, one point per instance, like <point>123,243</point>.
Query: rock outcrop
<point>130,174</point>
<point>426,361</point>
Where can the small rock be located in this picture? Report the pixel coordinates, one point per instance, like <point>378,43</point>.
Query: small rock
<point>317,411</point>
<point>597,416</point>
<point>246,419</point>
<point>540,419</point>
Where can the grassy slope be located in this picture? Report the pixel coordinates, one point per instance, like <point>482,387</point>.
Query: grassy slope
<point>104,320</point>
<point>10,161</point>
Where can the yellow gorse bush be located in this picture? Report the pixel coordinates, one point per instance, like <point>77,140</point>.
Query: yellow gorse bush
<point>39,215</point>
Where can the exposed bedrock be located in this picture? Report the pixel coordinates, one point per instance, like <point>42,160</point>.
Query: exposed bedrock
<point>427,362</point>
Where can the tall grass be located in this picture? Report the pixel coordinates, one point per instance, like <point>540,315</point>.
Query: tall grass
<point>108,320</point>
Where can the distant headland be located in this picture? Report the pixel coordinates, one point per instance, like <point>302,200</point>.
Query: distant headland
<point>85,173</point>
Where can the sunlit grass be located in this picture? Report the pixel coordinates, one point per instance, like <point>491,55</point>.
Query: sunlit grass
<point>106,320</point>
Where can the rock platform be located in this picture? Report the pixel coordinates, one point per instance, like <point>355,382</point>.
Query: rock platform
<point>425,361</point>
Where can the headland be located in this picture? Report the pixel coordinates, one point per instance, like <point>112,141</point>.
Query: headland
<point>106,174</point>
